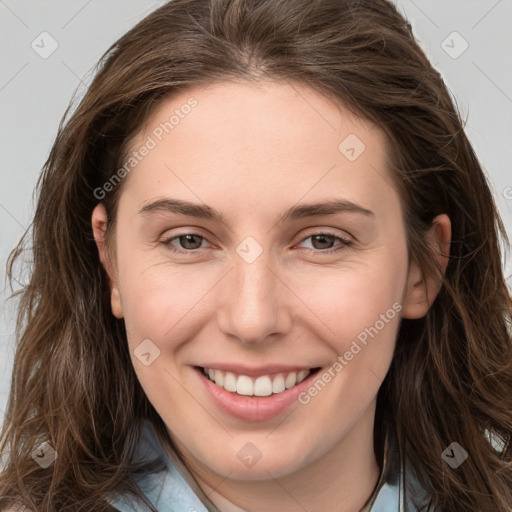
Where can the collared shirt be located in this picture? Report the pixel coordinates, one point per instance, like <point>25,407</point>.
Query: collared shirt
<point>169,491</point>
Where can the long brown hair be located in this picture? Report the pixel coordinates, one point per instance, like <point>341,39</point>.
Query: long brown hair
<point>73,383</point>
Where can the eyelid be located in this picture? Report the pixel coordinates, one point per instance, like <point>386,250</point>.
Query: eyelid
<point>327,231</point>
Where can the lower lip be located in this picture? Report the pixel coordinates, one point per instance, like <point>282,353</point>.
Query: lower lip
<point>254,408</point>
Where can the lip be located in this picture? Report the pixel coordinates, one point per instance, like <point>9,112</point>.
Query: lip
<point>254,408</point>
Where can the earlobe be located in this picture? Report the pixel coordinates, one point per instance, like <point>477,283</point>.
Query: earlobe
<point>99,226</point>
<point>421,290</point>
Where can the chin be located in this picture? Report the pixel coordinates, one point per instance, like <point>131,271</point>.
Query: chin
<point>251,464</point>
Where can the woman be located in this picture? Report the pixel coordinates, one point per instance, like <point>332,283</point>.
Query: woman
<point>260,370</point>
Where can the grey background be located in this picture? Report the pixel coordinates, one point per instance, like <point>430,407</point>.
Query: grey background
<point>35,91</point>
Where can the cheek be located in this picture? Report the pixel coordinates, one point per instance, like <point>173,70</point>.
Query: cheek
<point>159,300</point>
<point>360,308</point>
<point>352,299</point>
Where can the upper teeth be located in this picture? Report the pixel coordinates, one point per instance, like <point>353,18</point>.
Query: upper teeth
<point>261,386</point>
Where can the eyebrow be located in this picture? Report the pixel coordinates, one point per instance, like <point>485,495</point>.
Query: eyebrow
<point>327,207</point>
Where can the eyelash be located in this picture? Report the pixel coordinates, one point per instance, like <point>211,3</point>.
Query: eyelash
<point>344,243</point>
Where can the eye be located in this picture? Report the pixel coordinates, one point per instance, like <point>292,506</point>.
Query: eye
<point>190,242</point>
<point>322,242</point>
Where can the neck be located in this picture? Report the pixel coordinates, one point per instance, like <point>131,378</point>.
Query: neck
<point>341,481</point>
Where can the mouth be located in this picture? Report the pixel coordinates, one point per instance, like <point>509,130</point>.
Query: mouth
<point>256,398</point>
<point>261,386</point>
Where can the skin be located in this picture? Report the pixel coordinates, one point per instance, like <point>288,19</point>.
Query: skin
<point>252,152</point>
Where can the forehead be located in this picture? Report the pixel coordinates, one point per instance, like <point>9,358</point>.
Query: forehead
<point>251,142</point>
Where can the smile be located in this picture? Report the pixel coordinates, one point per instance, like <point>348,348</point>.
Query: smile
<point>264,385</point>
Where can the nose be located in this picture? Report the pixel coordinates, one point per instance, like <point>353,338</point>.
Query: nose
<point>253,304</point>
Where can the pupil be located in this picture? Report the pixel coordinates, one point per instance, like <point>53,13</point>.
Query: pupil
<point>187,239</point>
<point>323,238</point>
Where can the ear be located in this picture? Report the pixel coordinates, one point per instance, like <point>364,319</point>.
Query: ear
<point>422,290</point>
<point>99,226</point>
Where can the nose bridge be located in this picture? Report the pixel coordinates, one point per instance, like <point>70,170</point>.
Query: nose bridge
<point>253,280</point>
<point>251,307</point>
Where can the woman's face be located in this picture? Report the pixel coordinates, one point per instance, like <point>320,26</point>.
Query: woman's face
<point>260,236</point>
